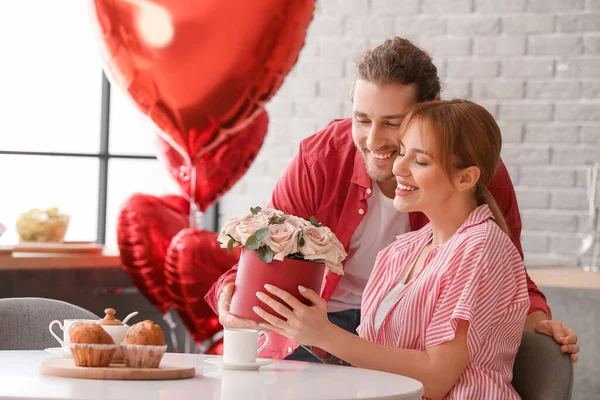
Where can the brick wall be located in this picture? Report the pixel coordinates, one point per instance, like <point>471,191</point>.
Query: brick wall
<point>535,64</point>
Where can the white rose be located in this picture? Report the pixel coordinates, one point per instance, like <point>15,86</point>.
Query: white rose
<point>283,240</point>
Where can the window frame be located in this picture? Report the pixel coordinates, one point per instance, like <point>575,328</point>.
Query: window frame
<point>211,216</point>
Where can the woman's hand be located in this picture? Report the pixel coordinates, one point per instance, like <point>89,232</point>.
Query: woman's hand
<point>307,325</point>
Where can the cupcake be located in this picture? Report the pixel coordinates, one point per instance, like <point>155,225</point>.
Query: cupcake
<point>144,345</point>
<point>91,345</point>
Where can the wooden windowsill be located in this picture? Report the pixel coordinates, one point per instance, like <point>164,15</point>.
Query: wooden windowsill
<point>565,277</point>
<point>46,261</point>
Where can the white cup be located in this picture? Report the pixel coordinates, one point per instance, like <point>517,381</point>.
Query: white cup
<point>68,323</point>
<point>240,346</point>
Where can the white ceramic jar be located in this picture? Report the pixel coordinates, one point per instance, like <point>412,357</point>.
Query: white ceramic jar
<point>115,329</point>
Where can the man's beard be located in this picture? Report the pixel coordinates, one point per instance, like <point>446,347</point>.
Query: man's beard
<point>376,173</point>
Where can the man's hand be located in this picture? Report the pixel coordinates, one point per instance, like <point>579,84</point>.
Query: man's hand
<point>227,319</point>
<point>562,334</point>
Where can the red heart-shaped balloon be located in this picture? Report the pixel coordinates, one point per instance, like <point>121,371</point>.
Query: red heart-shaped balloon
<point>147,224</point>
<point>218,170</point>
<point>193,263</point>
<point>145,227</point>
<point>200,69</point>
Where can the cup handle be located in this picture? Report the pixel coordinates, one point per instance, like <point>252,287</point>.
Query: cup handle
<point>261,348</point>
<point>54,334</point>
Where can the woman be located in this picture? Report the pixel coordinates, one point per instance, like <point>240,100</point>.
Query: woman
<point>444,305</point>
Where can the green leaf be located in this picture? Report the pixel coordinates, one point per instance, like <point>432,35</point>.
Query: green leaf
<point>314,222</point>
<point>266,255</point>
<point>234,241</point>
<point>252,243</point>
<point>255,210</point>
<point>277,219</point>
<point>230,246</point>
<point>261,235</point>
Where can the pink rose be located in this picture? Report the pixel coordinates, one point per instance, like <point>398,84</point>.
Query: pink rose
<point>283,240</point>
<point>339,254</point>
<point>297,221</point>
<point>249,225</point>
<point>268,212</point>
<point>321,244</point>
<point>229,229</point>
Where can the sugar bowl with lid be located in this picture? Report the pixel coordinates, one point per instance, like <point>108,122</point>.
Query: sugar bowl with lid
<point>116,329</point>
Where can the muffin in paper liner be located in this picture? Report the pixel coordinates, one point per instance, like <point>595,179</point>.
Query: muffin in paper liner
<point>142,356</point>
<point>92,355</point>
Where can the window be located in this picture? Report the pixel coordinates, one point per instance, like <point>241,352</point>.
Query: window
<point>67,139</point>
<point>50,77</point>
<point>70,183</point>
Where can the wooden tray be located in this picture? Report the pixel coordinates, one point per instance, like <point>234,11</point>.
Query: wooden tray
<point>66,368</point>
<point>65,247</point>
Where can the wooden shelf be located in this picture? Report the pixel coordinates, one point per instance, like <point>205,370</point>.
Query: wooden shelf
<point>565,277</point>
<point>46,261</point>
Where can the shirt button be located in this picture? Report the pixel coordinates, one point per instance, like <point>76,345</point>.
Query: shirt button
<point>369,191</point>
<point>361,211</point>
<point>290,349</point>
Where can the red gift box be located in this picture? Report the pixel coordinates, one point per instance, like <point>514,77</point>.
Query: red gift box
<point>253,274</point>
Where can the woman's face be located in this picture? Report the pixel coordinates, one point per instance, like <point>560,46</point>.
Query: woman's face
<point>422,183</point>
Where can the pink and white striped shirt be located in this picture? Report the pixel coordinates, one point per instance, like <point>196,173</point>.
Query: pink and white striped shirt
<point>477,276</point>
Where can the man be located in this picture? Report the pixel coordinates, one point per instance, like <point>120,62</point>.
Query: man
<point>343,176</point>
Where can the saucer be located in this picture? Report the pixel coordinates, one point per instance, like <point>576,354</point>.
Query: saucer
<point>260,362</point>
<point>58,351</point>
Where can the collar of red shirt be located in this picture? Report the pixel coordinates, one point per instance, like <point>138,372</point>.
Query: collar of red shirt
<point>360,176</point>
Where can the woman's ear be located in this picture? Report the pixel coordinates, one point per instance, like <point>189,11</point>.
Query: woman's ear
<point>468,178</point>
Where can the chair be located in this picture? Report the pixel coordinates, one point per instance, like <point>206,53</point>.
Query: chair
<point>24,321</point>
<point>542,370</point>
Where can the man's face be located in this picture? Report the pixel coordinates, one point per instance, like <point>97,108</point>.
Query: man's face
<point>377,115</point>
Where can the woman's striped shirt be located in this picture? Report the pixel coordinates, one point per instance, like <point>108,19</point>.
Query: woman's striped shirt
<point>477,276</point>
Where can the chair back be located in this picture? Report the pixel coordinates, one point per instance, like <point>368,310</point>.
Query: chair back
<point>24,321</point>
<point>542,370</point>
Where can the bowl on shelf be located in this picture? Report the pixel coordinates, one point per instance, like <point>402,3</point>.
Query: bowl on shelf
<point>38,225</point>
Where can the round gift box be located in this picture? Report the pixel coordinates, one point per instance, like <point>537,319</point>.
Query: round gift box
<point>253,274</point>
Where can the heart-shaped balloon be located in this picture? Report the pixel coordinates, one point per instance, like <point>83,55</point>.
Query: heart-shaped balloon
<point>193,263</point>
<point>145,227</point>
<point>219,169</point>
<point>200,70</point>
<point>147,224</point>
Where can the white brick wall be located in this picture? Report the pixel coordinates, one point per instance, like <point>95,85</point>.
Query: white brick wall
<point>535,64</point>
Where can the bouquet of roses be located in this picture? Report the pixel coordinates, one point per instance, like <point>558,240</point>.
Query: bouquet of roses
<point>273,234</point>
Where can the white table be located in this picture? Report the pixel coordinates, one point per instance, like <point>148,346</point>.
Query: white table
<point>20,379</point>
